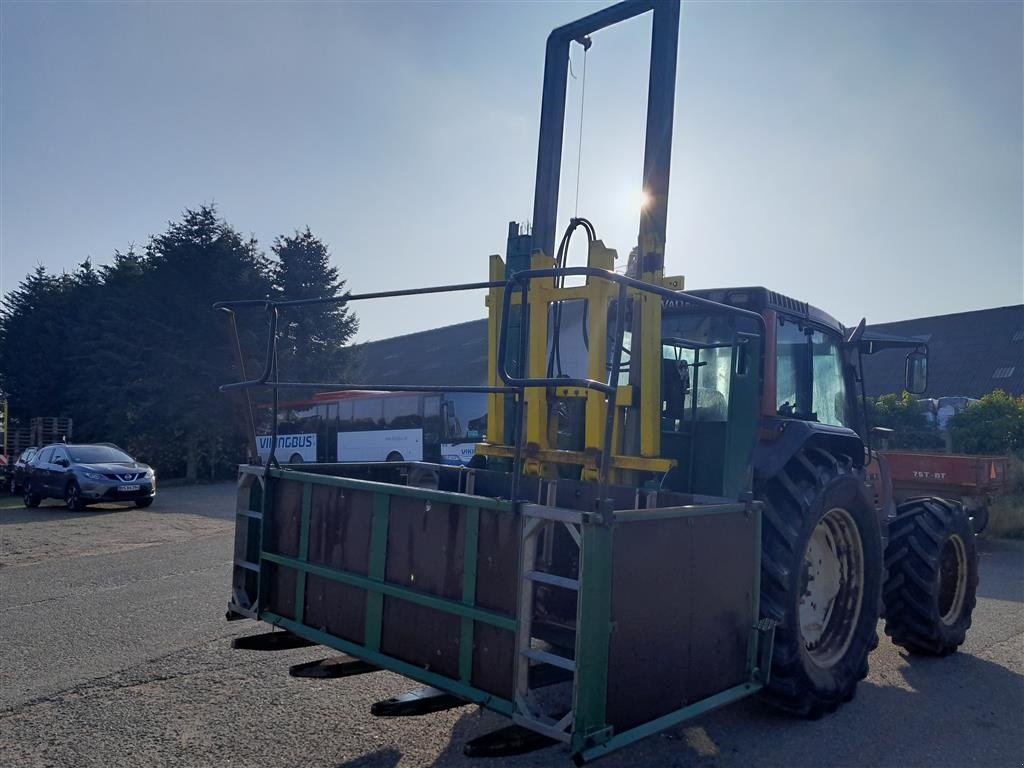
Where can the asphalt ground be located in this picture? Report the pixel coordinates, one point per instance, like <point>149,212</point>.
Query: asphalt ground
<point>114,652</point>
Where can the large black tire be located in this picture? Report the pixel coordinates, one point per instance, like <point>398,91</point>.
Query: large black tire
<point>143,503</point>
<point>816,512</point>
<point>930,592</point>
<point>73,497</point>
<point>31,500</point>
<point>979,519</point>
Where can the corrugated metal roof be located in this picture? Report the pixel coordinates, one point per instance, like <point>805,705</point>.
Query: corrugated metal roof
<point>970,354</point>
<point>454,354</point>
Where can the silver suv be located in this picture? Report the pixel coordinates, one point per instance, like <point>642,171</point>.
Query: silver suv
<point>87,474</point>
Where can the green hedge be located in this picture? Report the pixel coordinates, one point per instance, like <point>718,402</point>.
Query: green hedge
<point>993,425</point>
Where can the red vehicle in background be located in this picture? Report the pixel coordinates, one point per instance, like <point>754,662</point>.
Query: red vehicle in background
<point>971,481</point>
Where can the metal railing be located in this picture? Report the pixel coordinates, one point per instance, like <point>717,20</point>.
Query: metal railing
<point>514,384</point>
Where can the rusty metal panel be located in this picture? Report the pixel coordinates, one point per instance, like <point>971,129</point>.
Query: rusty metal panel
<point>496,588</point>
<point>682,611</point>
<point>285,519</point>
<point>494,652</point>
<point>339,538</point>
<point>339,528</point>
<point>337,609</point>
<point>425,546</point>
<point>280,596</point>
<point>425,553</point>
<point>497,561</point>
<point>283,538</point>
<point>422,636</point>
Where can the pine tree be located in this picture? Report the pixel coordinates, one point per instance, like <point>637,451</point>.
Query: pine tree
<point>312,339</point>
<point>33,322</point>
<point>189,353</point>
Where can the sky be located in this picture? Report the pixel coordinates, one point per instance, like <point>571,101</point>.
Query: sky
<point>866,157</point>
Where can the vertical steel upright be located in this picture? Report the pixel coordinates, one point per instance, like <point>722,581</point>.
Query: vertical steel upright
<point>642,436</point>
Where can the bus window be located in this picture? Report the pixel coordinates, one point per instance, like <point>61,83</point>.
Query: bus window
<point>431,406</point>
<point>345,414</point>
<point>465,416</point>
<point>367,412</point>
<point>402,412</point>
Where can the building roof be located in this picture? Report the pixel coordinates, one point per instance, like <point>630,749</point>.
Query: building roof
<point>970,354</point>
<point>454,354</point>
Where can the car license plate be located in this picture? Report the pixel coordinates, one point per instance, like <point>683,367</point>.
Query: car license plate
<point>125,488</point>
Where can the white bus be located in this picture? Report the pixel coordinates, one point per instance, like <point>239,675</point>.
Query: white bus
<point>360,426</point>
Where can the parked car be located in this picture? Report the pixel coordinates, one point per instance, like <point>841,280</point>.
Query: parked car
<point>18,469</point>
<point>87,474</point>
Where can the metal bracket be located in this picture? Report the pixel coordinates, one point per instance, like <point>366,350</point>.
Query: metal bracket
<point>762,636</point>
<point>270,641</point>
<point>331,668</point>
<point>420,702</point>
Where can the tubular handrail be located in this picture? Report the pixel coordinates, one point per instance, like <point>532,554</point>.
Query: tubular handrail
<point>514,385</point>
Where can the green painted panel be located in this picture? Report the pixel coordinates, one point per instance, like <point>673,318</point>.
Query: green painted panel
<point>378,562</point>
<point>592,636</point>
<point>468,592</point>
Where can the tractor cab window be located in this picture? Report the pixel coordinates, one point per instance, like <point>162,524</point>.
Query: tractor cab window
<point>793,370</point>
<point>695,381</point>
<point>829,400</point>
<point>696,368</point>
<point>809,380</point>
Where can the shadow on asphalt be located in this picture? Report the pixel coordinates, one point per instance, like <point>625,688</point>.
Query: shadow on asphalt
<point>919,725</point>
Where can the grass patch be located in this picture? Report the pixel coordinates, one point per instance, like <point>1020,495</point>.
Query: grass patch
<point>1006,517</point>
<point>10,502</point>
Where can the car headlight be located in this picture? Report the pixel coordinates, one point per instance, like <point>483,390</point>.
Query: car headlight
<point>94,475</point>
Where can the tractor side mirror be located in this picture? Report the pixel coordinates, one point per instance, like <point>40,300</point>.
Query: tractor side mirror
<point>917,372</point>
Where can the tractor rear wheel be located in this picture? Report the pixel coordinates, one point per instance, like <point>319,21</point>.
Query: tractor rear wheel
<point>930,592</point>
<point>821,574</point>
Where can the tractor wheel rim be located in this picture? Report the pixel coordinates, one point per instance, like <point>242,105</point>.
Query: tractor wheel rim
<point>952,580</point>
<point>831,587</point>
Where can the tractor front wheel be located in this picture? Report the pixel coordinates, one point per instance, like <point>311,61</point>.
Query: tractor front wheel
<point>933,577</point>
<point>821,574</point>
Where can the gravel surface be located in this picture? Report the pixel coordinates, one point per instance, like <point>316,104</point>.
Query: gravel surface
<point>114,652</point>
